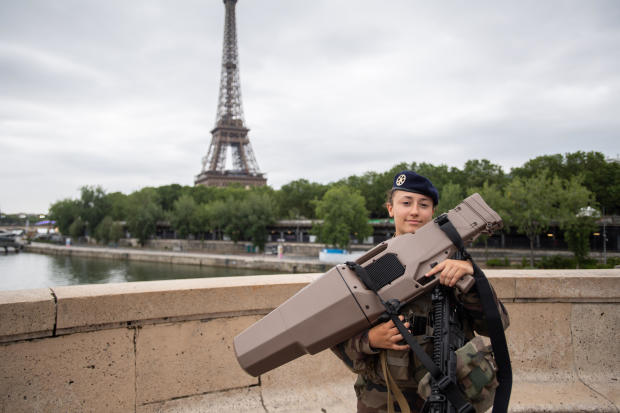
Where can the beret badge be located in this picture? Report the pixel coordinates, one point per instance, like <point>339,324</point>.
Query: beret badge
<point>401,180</point>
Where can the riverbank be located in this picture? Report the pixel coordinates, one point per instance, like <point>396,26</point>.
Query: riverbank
<point>297,257</point>
<point>251,261</point>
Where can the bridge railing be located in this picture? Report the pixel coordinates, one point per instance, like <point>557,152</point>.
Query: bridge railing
<point>167,346</point>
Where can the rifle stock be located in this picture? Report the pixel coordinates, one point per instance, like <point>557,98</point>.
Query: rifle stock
<point>338,305</point>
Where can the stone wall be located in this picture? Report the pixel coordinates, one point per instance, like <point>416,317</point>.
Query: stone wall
<point>166,346</point>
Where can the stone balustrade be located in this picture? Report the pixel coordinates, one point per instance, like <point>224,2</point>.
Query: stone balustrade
<point>166,346</point>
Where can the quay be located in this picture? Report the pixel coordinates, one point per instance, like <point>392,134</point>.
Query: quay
<point>292,264</point>
<point>297,258</point>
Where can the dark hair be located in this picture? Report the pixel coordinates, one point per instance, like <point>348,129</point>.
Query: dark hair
<point>389,195</point>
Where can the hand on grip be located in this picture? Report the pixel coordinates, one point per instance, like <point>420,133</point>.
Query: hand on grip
<point>454,272</point>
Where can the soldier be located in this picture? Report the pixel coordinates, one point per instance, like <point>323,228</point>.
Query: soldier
<point>411,202</point>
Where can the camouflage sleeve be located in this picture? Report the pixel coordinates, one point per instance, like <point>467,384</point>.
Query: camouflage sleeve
<point>357,354</point>
<point>472,305</point>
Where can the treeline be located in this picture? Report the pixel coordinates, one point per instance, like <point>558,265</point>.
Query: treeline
<point>547,189</point>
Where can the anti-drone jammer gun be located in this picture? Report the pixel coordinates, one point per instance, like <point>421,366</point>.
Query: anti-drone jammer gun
<point>338,305</point>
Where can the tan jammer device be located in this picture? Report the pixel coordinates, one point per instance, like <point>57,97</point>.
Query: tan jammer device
<point>338,305</point>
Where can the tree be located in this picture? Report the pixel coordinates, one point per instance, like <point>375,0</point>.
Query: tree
<point>116,232</point>
<point>118,205</point>
<point>451,195</point>
<point>577,236</point>
<point>144,212</point>
<point>77,228</point>
<point>478,171</point>
<point>216,215</point>
<point>257,213</point>
<point>294,200</point>
<point>64,213</point>
<point>533,203</point>
<point>168,194</point>
<point>599,176</point>
<point>102,232</point>
<point>184,217</point>
<point>531,206</point>
<point>494,197</point>
<point>577,216</point>
<point>94,206</point>
<point>344,213</point>
<point>553,164</point>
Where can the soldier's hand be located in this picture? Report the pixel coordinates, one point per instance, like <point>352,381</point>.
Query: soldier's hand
<point>387,336</point>
<point>451,271</point>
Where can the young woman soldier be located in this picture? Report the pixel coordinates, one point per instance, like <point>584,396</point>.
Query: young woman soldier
<point>411,202</point>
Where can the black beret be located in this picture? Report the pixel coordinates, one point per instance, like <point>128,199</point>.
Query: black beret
<point>412,182</point>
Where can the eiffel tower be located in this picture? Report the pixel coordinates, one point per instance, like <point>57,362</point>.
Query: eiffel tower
<point>230,132</point>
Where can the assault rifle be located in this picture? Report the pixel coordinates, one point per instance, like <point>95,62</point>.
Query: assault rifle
<point>447,338</point>
<point>353,297</point>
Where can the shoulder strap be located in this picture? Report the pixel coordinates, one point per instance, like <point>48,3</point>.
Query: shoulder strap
<point>492,317</point>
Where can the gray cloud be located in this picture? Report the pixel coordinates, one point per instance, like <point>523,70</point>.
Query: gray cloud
<point>123,94</point>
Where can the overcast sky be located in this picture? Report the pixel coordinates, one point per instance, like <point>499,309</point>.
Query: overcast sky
<point>123,94</point>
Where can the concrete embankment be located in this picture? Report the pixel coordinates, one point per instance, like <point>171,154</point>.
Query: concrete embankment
<point>254,261</point>
<point>166,346</point>
<point>298,257</point>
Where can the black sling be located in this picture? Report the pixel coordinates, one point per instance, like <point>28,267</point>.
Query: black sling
<point>492,318</point>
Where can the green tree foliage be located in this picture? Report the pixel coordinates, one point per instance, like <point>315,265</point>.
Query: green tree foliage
<point>257,213</point>
<point>94,206</point>
<point>601,177</point>
<point>494,197</point>
<point>64,213</point>
<point>168,195</point>
<point>116,232</point>
<point>577,235</point>
<point>77,228</point>
<point>234,225</point>
<point>478,171</point>
<point>118,205</point>
<point>216,215</point>
<point>144,212</point>
<point>530,206</point>
<point>295,199</point>
<point>577,215</point>
<point>102,232</point>
<point>344,213</point>
<point>525,199</point>
<point>184,216</point>
<point>451,195</point>
<point>533,203</point>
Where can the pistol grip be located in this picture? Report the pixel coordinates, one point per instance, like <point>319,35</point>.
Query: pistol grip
<point>465,283</point>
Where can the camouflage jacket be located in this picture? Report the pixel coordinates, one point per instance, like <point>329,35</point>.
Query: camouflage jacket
<point>405,368</point>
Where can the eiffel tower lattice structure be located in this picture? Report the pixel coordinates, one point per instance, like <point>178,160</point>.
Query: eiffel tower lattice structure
<point>230,133</point>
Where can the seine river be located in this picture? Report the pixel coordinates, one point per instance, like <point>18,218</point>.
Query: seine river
<point>29,270</point>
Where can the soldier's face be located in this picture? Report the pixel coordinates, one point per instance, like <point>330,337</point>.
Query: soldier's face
<point>410,211</point>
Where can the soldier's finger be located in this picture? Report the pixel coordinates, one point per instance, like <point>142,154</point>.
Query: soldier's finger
<point>436,269</point>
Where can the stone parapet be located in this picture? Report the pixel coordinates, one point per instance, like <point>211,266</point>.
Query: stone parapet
<point>166,346</point>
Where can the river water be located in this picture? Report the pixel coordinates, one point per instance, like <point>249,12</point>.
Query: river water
<point>29,270</point>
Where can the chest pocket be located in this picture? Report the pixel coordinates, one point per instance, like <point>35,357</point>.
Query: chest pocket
<point>398,364</point>
<point>399,361</point>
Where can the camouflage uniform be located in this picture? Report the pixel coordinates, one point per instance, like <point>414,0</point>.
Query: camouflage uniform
<point>404,367</point>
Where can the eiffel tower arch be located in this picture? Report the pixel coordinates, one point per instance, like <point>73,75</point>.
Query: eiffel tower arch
<point>230,132</point>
